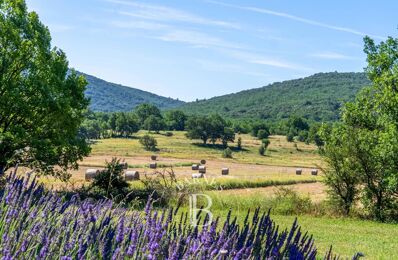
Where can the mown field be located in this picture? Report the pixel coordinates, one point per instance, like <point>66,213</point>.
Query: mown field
<point>253,181</point>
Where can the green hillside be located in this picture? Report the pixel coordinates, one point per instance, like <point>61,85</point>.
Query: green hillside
<point>318,97</point>
<point>109,97</point>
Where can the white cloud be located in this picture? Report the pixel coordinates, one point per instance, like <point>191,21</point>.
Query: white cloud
<point>139,25</point>
<point>332,56</point>
<point>163,13</point>
<point>297,18</point>
<point>267,61</point>
<point>196,39</point>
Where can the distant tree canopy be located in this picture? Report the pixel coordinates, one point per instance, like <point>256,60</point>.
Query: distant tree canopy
<point>42,102</point>
<point>175,120</point>
<point>212,128</point>
<point>362,152</point>
<point>144,111</point>
<point>316,98</point>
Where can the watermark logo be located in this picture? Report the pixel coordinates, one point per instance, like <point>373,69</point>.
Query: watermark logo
<point>195,212</point>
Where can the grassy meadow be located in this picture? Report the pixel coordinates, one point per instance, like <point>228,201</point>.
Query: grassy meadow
<point>254,181</point>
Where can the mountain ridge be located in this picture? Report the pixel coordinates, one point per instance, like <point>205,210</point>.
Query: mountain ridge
<point>106,96</point>
<point>317,97</point>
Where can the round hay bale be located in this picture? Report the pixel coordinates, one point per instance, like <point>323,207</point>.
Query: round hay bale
<point>124,165</point>
<point>154,157</point>
<point>197,175</point>
<point>132,175</point>
<point>299,171</point>
<point>202,161</point>
<point>314,172</point>
<point>202,169</point>
<point>152,165</point>
<point>91,174</point>
<point>195,167</point>
<point>224,171</point>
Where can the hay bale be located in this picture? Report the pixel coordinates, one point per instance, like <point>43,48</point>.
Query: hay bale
<point>124,165</point>
<point>152,165</point>
<point>224,171</point>
<point>91,174</point>
<point>202,169</point>
<point>314,172</point>
<point>154,157</point>
<point>299,171</point>
<point>195,167</point>
<point>197,175</point>
<point>132,175</point>
<point>202,161</point>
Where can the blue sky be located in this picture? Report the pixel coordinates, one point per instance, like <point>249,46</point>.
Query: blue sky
<point>190,49</point>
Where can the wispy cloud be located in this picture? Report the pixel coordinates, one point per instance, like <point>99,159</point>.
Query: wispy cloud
<point>296,18</point>
<point>261,59</point>
<point>332,56</point>
<point>139,25</point>
<point>197,39</point>
<point>168,14</point>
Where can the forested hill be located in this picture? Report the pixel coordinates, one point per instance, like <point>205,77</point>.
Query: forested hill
<point>109,97</point>
<point>318,97</point>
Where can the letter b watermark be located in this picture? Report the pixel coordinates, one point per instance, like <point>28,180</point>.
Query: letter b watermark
<point>194,210</point>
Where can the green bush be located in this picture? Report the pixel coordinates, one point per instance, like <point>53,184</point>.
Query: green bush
<point>149,142</point>
<point>261,150</point>
<point>110,182</point>
<point>227,153</point>
<point>239,144</point>
<point>290,137</point>
<point>261,134</point>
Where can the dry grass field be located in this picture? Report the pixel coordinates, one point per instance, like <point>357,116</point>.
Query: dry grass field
<point>254,175</point>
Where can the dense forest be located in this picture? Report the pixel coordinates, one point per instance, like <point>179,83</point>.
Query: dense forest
<point>110,97</point>
<point>317,98</point>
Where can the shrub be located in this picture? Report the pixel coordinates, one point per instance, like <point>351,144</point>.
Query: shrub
<point>239,143</point>
<point>290,137</point>
<point>149,142</point>
<point>227,153</point>
<point>265,142</point>
<point>110,182</point>
<point>261,134</point>
<point>261,150</point>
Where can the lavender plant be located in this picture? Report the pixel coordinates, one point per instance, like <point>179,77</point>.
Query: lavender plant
<point>40,224</point>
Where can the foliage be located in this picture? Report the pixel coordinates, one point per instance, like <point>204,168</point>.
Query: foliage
<point>228,135</point>
<point>316,98</point>
<point>227,153</point>
<point>261,127</point>
<point>153,123</point>
<point>144,111</point>
<point>239,143</point>
<point>149,142</point>
<point>261,150</point>
<point>87,229</point>
<point>340,176</point>
<point>371,126</point>
<point>110,97</point>
<point>290,137</point>
<point>175,120</point>
<point>110,183</point>
<point>210,128</point>
<point>42,101</point>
